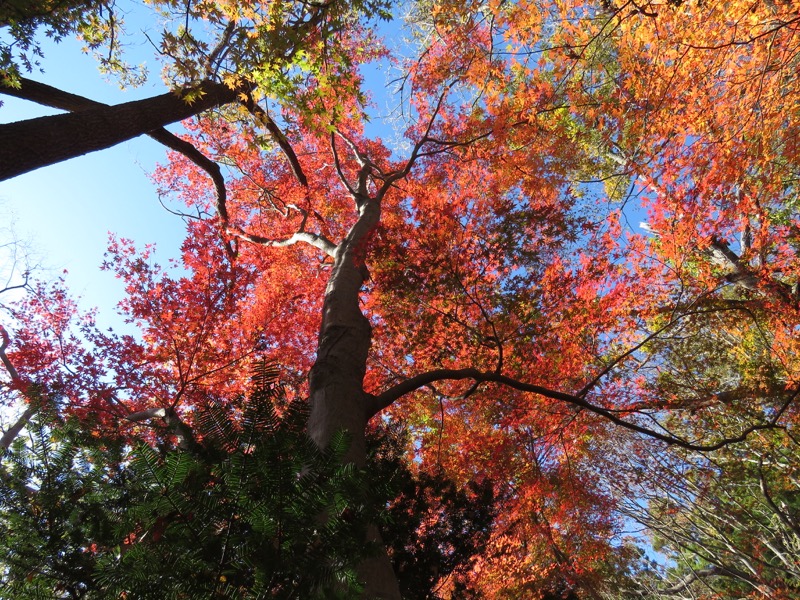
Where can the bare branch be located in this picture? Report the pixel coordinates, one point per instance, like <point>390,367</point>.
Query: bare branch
<point>11,434</point>
<point>443,145</point>
<point>784,517</point>
<point>264,119</point>
<point>684,583</point>
<point>741,275</point>
<point>19,286</point>
<point>611,366</point>
<point>146,415</point>
<point>181,430</point>
<point>338,164</point>
<point>366,169</point>
<point>6,340</point>
<point>175,143</point>
<point>218,53</point>
<point>317,240</point>
<point>46,95</point>
<point>723,256</point>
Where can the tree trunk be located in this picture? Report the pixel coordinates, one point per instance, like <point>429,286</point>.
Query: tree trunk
<point>338,399</point>
<point>34,143</point>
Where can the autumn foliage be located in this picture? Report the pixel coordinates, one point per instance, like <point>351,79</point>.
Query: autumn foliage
<point>580,251</point>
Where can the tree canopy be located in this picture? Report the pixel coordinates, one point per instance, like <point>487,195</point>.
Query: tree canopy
<point>479,278</point>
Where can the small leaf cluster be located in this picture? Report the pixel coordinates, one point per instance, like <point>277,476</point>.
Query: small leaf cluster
<point>22,20</point>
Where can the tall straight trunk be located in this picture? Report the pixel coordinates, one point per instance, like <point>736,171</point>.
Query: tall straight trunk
<point>34,143</point>
<point>338,399</point>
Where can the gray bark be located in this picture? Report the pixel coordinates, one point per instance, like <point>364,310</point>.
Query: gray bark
<point>11,434</point>
<point>338,399</point>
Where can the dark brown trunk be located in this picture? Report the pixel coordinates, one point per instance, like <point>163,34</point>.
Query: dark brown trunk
<point>338,400</point>
<point>34,143</point>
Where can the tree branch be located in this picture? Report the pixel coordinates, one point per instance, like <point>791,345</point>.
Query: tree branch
<point>264,119</point>
<point>314,239</point>
<point>384,400</point>
<point>146,415</point>
<point>684,583</point>
<point>338,164</point>
<point>6,340</point>
<point>687,311</point>
<point>784,517</point>
<point>34,143</point>
<point>55,98</point>
<point>182,432</point>
<point>46,95</point>
<point>173,142</point>
<point>741,275</point>
<point>11,434</point>
<point>366,167</point>
<point>49,96</point>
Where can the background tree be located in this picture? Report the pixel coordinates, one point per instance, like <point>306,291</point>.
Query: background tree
<point>725,517</point>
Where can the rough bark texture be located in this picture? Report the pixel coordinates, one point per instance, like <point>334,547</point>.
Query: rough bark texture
<point>338,399</point>
<point>34,143</point>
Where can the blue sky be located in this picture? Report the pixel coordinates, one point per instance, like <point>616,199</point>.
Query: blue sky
<point>65,211</point>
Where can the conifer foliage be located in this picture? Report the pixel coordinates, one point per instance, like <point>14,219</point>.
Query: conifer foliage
<point>252,509</point>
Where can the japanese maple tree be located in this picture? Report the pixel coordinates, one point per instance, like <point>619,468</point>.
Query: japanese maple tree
<point>479,281</point>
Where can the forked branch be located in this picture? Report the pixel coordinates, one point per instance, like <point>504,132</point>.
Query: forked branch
<point>181,430</point>
<point>53,97</point>
<point>92,126</point>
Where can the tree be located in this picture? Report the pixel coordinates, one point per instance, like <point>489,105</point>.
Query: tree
<point>725,519</point>
<point>727,522</point>
<point>235,513</point>
<point>478,284</point>
<point>241,54</point>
